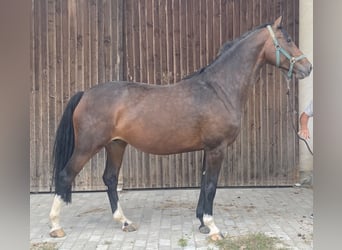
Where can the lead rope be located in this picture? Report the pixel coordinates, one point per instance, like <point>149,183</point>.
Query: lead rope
<point>293,112</point>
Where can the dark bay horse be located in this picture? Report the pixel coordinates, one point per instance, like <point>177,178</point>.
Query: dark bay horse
<point>201,112</point>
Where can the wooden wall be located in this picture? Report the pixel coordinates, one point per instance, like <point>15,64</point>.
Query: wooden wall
<point>76,44</point>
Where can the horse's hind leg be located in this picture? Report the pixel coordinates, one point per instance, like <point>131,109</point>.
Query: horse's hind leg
<point>75,164</point>
<point>115,151</point>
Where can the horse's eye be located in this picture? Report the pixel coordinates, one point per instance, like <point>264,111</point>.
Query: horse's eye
<point>289,40</point>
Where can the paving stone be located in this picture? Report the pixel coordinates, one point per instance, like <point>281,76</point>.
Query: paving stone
<point>165,216</point>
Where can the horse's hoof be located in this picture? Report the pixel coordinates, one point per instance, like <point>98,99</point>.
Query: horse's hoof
<point>216,237</point>
<point>58,233</point>
<point>129,228</point>
<point>204,229</point>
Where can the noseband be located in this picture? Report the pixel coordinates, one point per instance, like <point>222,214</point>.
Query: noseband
<point>279,50</point>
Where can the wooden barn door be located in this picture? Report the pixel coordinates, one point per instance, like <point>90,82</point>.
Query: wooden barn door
<point>76,44</point>
<point>166,40</point>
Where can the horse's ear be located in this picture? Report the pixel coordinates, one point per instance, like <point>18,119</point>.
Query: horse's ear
<point>277,23</point>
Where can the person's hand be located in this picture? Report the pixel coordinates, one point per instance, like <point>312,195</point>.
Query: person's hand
<point>304,133</point>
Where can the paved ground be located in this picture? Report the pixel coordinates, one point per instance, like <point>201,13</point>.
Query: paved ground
<point>166,216</point>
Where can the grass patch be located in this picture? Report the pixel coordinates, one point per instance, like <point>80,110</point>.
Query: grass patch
<point>182,242</point>
<point>44,246</point>
<point>257,241</point>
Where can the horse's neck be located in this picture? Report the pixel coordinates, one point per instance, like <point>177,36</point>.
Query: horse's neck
<point>235,70</point>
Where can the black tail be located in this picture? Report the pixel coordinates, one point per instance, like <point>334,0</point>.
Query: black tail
<point>64,146</point>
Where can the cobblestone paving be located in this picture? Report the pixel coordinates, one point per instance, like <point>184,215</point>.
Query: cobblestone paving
<point>167,217</point>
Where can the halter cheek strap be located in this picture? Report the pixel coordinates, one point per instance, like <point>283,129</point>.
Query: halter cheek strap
<point>279,50</point>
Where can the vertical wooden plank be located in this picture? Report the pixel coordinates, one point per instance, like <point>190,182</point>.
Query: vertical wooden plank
<point>128,53</point>
<point>38,88</point>
<point>65,51</point>
<point>34,168</point>
<point>163,43</point>
<point>156,52</point>
<point>73,48</point>
<point>136,41</point>
<point>51,84</point>
<point>94,43</point>
<point>230,20</point>
<point>44,97</point>
<point>169,41</point>
<point>183,36</point>
<point>143,41</point>
<point>216,27</point>
<point>203,33</point>
<point>59,63</point>
<point>32,106</point>
<point>107,41</point>
<point>210,32</point>
<point>87,45</point>
<point>149,41</point>
<point>117,38</point>
<point>189,38</point>
<point>100,44</point>
<point>223,22</point>
<point>80,23</point>
<point>176,41</point>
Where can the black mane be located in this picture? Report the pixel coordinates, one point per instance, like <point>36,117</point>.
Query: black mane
<point>226,47</point>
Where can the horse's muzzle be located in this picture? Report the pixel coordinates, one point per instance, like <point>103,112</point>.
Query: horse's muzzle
<point>303,70</point>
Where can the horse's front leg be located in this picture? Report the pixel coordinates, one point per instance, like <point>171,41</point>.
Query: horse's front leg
<point>115,151</point>
<point>211,169</point>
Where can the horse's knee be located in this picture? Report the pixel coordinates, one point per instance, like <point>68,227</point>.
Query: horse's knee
<point>110,180</point>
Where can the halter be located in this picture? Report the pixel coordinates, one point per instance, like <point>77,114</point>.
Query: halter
<point>279,50</point>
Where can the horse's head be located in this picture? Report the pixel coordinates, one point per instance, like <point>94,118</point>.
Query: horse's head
<point>281,51</point>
